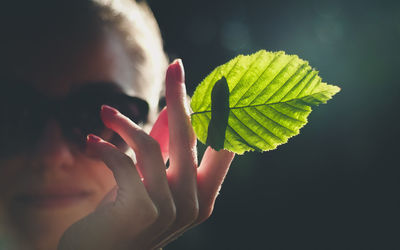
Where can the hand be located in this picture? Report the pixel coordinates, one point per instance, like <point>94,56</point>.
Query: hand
<point>154,205</point>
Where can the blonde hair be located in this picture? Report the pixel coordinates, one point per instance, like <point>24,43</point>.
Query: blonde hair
<point>140,32</point>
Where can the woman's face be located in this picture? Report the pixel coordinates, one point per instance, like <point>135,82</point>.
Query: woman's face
<point>47,189</point>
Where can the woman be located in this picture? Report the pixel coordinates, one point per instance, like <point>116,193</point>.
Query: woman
<point>67,181</point>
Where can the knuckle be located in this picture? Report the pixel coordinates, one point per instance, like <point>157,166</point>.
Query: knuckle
<point>194,210</point>
<point>188,213</point>
<point>116,157</point>
<point>168,214</point>
<point>148,144</point>
<point>150,213</point>
<point>124,159</point>
<point>204,214</point>
<point>144,216</point>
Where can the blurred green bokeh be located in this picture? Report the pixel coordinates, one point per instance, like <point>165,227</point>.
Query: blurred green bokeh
<point>336,185</point>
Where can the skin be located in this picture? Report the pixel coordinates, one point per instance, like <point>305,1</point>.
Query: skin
<point>152,206</point>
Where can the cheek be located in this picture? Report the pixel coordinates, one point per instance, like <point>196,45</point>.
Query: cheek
<point>9,175</point>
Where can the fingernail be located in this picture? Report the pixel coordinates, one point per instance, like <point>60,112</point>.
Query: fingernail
<point>91,138</point>
<point>176,71</point>
<point>109,110</point>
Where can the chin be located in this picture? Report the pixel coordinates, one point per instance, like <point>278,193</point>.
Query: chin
<point>40,224</point>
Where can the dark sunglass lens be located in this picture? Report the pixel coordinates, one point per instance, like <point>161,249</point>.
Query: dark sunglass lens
<point>80,114</point>
<point>78,122</point>
<point>135,108</point>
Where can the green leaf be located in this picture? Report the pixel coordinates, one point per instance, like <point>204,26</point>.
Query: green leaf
<point>271,95</point>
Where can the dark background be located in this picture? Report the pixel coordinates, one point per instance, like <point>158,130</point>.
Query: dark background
<point>336,185</point>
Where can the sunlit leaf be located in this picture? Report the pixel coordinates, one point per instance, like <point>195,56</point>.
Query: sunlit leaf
<point>270,98</point>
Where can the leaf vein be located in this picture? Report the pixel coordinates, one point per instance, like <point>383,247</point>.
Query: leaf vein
<point>213,80</point>
<point>277,123</point>
<point>258,78</point>
<point>293,87</point>
<point>250,67</point>
<point>266,86</point>
<point>237,134</point>
<point>272,133</point>
<point>308,84</point>
<point>267,104</point>
<point>290,78</point>
<point>285,115</point>
<point>297,108</point>
<point>250,129</point>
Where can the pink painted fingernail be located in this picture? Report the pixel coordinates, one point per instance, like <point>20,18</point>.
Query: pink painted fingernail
<point>91,138</point>
<point>109,110</point>
<point>176,71</point>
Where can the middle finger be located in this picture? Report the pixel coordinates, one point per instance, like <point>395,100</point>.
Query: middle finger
<point>182,173</point>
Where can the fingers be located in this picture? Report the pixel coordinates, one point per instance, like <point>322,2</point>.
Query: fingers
<point>148,153</point>
<point>178,191</point>
<point>210,176</point>
<point>114,224</point>
<point>163,204</point>
<point>149,162</point>
<point>161,134</point>
<point>132,192</point>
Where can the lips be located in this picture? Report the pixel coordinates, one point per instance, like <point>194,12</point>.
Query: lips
<point>56,197</point>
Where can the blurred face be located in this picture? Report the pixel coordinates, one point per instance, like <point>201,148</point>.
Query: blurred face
<point>45,190</point>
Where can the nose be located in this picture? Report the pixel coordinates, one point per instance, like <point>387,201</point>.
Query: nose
<point>52,149</point>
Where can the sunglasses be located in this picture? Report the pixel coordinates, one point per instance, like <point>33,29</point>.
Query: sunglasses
<point>25,113</point>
